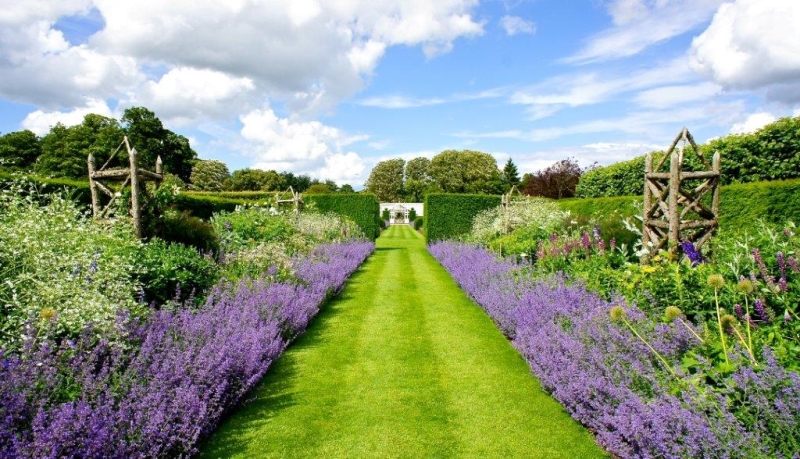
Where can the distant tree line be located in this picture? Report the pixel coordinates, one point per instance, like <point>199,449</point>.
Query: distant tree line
<point>450,171</point>
<point>62,152</point>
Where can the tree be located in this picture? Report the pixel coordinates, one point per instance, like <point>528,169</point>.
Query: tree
<point>65,149</point>
<point>151,140</point>
<point>209,175</point>
<point>556,182</point>
<point>318,188</point>
<point>510,174</point>
<point>419,169</point>
<point>254,180</point>
<point>331,186</point>
<point>386,180</point>
<point>298,183</point>
<point>466,172</point>
<point>19,150</point>
<point>346,188</point>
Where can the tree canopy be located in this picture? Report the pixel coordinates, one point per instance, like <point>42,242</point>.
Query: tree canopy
<point>209,175</point>
<point>19,150</point>
<point>386,180</point>
<point>466,171</point>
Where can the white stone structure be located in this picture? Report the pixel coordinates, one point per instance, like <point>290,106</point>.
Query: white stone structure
<point>398,211</point>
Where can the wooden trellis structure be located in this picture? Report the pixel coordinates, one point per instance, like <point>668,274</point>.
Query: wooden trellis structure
<point>296,200</point>
<point>672,212</point>
<point>132,176</point>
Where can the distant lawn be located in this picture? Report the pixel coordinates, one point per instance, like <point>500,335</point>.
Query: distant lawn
<point>403,364</point>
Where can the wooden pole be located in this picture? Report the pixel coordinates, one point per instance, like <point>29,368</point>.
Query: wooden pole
<point>648,168</point>
<point>159,170</point>
<point>716,166</point>
<point>674,191</point>
<point>93,187</point>
<point>136,211</point>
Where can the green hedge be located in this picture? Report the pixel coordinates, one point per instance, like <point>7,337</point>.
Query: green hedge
<point>448,216</point>
<point>740,204</point>
<point>259,196</point>
<point>771,153</point>
<point>362,208</point>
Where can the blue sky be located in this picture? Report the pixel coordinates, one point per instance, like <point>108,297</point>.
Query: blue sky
<point>329,88</point>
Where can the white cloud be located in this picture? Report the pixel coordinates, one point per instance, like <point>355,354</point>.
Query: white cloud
<point>344,168</point>
<point>304,147</point>
<point>667,96</point>
<point>185,94</point>
<point>514,25</point>
<point>652,124</point>
<point>40,121</point>
<point>752,45</point>
<point>310,53</point>
<point>394,102</point>
<point>640,24</point>
<point>753,123</point>
<point>574,90</point>
<point>39,66</point>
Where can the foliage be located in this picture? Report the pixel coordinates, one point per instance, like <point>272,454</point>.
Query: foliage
<point>151,140</point>
<point>412,214</point>
<point>771,153</point>
<point>318,188</point>
<point>362,208</point>
<point>65,149</point>
<point>419,222</point>
<point>254,180</point>
<point>180,227</point>
<point>418,169</point>
<point>556,182</point>
<point>386,180</point>
<point>539,217</point>
<point>466,171</point>
<point>386,214</point>
<point>611,379</point>
<point>209,175</point>
<point>60,269</point>
<point>19,150</point>
<point>172,379</point>
<point>387,392</point>
<point>173,271</point>
<point>449,216</point>
<point>510,175</point>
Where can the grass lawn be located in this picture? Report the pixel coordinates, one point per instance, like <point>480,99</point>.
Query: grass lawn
<point>402,364</point>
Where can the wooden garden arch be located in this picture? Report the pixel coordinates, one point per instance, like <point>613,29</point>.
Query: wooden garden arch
<point>673,212</point>
<point>128,176</point>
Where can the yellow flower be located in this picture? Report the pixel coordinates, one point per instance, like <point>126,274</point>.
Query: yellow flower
<point>47,313</point>
<point>716,281</point>
<point>617,313</point>
<point>648,269</point>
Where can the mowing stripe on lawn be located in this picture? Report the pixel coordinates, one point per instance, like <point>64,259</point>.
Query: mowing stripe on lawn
<point>402,364</point>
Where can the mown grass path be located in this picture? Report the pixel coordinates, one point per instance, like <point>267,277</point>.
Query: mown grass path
<point>402,364</point>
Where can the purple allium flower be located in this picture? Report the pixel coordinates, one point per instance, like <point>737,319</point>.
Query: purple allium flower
<point>737,308</point>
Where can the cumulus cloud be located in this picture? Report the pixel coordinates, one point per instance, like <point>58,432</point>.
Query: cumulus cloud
<point>41,121</point>
<point>639,24</point>
<point>306,147</point>
<point>514,25</point>
<point>184,95</point>
<point>309,52</point>
<point>753,123</point>
<point>753,45</point>
<point>39,66</point>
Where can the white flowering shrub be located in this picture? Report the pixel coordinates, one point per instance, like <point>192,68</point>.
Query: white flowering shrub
<point>60,270</point>
<point>540,214</point>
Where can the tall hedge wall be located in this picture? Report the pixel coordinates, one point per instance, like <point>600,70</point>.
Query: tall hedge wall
<point>362,208</point>
<point>770,153</point>
<point>448,216</point>
<point>740,204</point>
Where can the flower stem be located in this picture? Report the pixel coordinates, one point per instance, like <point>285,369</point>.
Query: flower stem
<point>719,323</point>
<point>657,354</point>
